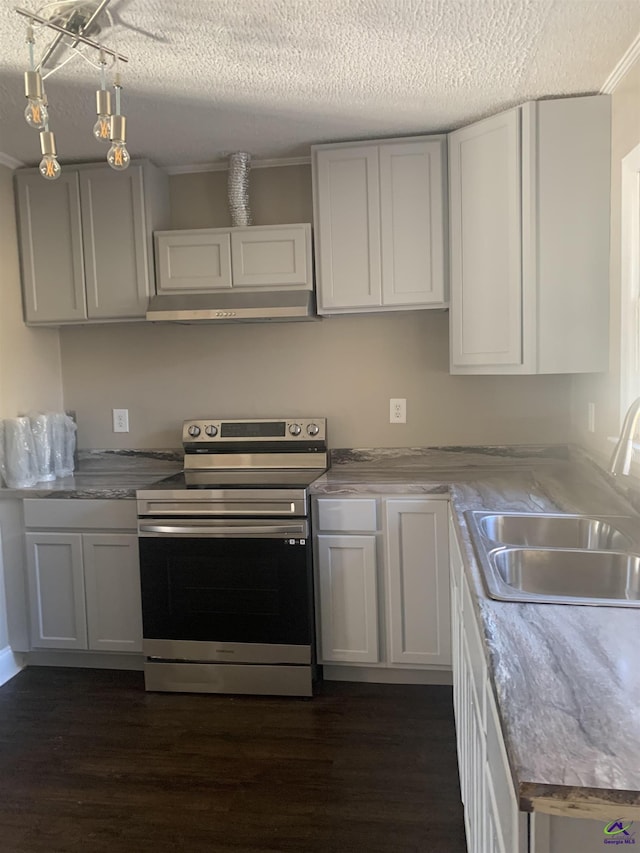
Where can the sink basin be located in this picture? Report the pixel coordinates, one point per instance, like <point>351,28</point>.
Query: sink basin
<point>559,559</point>
<point>554,531</point>
<point>575,576</point>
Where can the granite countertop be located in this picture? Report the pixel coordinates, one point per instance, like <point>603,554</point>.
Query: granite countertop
<point>566,677</point>
<point>106,474</point>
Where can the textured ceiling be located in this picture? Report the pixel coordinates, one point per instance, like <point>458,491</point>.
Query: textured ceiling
<point>208,77</point>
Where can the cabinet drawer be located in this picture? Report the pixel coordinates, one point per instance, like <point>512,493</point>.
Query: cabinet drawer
<point>43,514</point>
<point>353,515</point>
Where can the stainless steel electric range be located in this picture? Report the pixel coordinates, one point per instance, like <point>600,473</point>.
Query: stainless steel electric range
<point>225,560</point>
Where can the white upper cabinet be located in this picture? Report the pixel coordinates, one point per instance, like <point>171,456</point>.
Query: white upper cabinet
<point>86,242</point>
<point>379,214</point>
<point>529,235</point>
<point>258,257</point>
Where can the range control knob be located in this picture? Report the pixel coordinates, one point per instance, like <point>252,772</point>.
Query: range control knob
<point>295,429</point>
<point>313,429</point>
<point>194,430</point>
<point>211,430</point>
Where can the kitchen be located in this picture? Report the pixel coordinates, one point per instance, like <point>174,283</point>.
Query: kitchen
<point>344,368</point>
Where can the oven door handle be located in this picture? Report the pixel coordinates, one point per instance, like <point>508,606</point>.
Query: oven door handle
<point>224,530</point>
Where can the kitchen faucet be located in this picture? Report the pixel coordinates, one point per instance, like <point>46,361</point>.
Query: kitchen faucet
<point>621,459</point>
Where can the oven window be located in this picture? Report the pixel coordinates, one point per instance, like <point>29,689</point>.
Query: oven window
<point>227,590</point>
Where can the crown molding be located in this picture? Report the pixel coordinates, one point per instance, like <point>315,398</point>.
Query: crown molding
<point>222,165</point>
<point>628,59</point>
<point>11,162</point>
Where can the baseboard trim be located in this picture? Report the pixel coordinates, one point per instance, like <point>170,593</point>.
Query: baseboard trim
<point>10,664</point>
<point>85,660</point>
<point>382,675</point>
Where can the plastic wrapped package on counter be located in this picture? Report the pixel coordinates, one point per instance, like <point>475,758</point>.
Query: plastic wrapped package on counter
<point>42,431</point>
<point>63,432</point>
<point>19,458</point>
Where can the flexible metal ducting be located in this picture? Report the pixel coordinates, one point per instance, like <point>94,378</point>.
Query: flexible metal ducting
<point>238,188</point>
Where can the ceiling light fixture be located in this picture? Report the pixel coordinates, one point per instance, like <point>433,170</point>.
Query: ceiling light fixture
<point>73,22</point>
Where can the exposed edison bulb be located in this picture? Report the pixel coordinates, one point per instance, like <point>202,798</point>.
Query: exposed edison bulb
<point>36,113</point>
<point>50,168</point>
<point>102,128</point>
<point>118,156</point>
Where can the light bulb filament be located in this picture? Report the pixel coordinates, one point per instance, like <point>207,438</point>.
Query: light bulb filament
<point>36,116</point>
<point>117,156</point>
<point>104,128</point>
<point>50,168</point>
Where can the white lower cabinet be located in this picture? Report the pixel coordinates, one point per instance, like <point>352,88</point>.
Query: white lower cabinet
<point>84,588</point>
<point>349,598</point>
<point>493,823</point>
<point>382,582</point>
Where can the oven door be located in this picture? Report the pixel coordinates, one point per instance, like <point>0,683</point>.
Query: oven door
<point>232,590</point>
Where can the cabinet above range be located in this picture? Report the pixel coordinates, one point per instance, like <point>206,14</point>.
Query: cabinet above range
<point>209,259</point>
<point>86,242</point>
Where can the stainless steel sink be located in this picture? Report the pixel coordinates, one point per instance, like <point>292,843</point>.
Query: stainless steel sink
<point>554,531</point>
<point>559,559</point>
<point>575,576</point>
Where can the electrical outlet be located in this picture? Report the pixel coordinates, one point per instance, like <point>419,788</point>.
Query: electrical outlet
<point>397,411</point>
<point>591,417</point>
<point>121,420</point>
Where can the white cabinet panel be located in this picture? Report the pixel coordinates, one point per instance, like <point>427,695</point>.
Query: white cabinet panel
<point>112,581</point>
<point>347,229</point>
<point>51,251</point>
<point>357,515</point>
<point>118,278</point>
<point>413,244</point>
<point>486,242</point>
<point>348,598</point>
<point>56,587</point>
<point>417,559</point>
<point>192,261</point>
<point>271,256</point>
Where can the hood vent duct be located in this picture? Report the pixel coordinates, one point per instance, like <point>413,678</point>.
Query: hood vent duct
<point>238,188</point>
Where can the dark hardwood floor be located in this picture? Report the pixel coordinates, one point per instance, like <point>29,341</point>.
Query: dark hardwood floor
<point>90,763</point>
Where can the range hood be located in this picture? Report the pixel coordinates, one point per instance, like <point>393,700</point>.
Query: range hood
<point>234,307</point>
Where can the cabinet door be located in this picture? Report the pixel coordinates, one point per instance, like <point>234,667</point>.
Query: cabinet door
<point>417,570</point>
<point>56,590</point>
<point>486,246</point>
<point>192,261</point>
<point>114,233</point>
<point>51,248</point>
<point>474,770</point>
<point>271,257</point>
<point>502,829</point>
<point>412,222</point>
<point>112,580</point>
<point>347,232</point>
<point>348,599</point>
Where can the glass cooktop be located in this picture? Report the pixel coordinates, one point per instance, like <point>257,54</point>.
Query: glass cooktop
<point>240,479</point>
